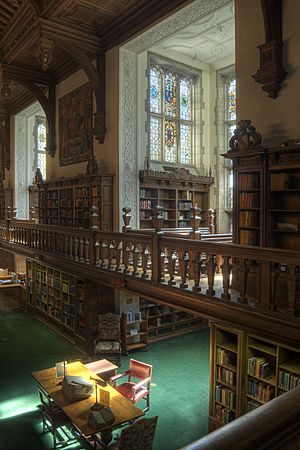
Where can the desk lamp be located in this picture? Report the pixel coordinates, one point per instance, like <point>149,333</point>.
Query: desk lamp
<point>100,414</point>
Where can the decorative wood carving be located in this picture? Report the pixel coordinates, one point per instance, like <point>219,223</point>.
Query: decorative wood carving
<point>271,72</point>
<point>181,175</point>
<point>245,137</point>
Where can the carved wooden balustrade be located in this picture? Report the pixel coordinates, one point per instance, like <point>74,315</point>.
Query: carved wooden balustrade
<point>267,279</point>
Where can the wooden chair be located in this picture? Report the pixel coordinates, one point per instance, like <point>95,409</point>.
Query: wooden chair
<point>132,390</point>
<point>138,436</point>
<point>108,341</point>
<point>53,418</point>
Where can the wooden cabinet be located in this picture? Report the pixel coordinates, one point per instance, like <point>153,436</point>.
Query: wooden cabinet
<point>166,321</point>
<point>247,371</point>
<point>134,329</point>
<point>68,201</point>
<point>69,303</point>
<point>176,192</point>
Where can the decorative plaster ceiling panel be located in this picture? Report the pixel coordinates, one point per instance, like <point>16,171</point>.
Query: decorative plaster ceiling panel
<point>210,40</point>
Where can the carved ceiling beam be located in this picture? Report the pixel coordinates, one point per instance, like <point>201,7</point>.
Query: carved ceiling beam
<point>57,7</point>
<point>96,76</point>
<point>271,72</point>
<point>47,103</point>
<point>34,75</point>
<point>35,5</point>
<point>58,31</point>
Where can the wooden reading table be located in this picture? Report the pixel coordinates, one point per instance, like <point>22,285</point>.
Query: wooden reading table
<point>78,412</point>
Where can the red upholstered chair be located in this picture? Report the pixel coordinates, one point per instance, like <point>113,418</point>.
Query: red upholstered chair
<point>135,390</point>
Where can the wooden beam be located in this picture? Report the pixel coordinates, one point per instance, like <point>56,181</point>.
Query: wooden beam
<point>28,73</point>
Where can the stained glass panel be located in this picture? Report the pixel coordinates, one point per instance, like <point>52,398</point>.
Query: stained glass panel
<point>185,144</point>
<point>170,94</point>
<point>185,99</point>
<point>155,138</point>
<point>170,141</point>
<point>155,90</point>
<point>231,129</point>
<point>232,100</point>
<point>41,136</point>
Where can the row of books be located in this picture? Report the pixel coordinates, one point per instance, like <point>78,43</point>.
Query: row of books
<point>82,192</point>
<point>287,380</point>
<point>82,202</point>
<point>249,218</point>
<point>146,204</point>
<point>145,215</point>
<point>185,204</point>
<point>227,376</point>
<point>148,193</point>
<point>53,281</point>
<point>261,390</point>
<point>280,181</point>
<point>133,316</point>
<point>249,181</point>
<point>248,237</point>
<point>252,404</point>
<point>225,357</point>
<point>258,367</point>
<point>52,204</point>
<point>225,396</point>
<point>249,200</point>
<point>224,414</point>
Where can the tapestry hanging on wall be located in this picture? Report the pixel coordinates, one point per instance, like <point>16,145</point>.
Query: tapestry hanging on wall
<point>75,126</point>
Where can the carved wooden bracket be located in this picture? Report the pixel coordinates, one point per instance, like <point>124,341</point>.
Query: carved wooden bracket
<point>22,76</point>
<point>271,73</point>
<point>96,76</point>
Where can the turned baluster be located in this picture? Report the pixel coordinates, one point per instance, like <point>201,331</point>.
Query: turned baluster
<point>136,256</point>
<point>245,273</point>
<point>81,249</point>
<point>145,262</point>
<point>211,220</point>
<point>183,265</point>
<point>66,245</point>
<point>127,254</point>
<point>210,265</point>
<point>226,271</point>
<point>111,253</point>
<point>86,251</point>
<point>195,220</point>
<point>196,265</point>
<point>171,266</point>
<point>292,277</point>
<point>97,253</point>
<point>71,247</point>
<point>94,218</point>
<point>76,246</point>
<point>103,256</point>
<point>119,246</point>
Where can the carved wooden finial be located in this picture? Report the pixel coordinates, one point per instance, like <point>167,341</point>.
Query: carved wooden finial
<point>245,137</point>
<point>126,219</point>
<point>38,177</point>
<point>158,217</point>
<point>211,220</point>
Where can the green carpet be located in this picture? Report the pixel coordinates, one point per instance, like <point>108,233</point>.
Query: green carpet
<point>179,394</point>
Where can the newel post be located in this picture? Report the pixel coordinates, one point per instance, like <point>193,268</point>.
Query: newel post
<point>157,223</point>
<point>126,219</point>
<point>195,220</point>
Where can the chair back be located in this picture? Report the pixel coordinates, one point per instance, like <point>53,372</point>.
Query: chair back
<point>139,435</point>
<point>108,327</point>
<point>140,369</point>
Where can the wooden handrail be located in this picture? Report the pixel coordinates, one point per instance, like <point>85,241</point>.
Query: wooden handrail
<point>271,426</point>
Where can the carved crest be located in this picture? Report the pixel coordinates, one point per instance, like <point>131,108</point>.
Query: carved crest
<point>245,137</point>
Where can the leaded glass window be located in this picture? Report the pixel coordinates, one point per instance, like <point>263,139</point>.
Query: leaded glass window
<point>40,141</point>
<point>171,125</point>
<point>230,123</point>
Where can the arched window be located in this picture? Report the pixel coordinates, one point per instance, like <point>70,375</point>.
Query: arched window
<point>171,116</point>
<point>40,134</point>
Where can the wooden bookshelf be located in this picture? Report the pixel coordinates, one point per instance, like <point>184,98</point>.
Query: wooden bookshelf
<point>226,376</point>
<point>68,303</point>
<point>247,371</point>
<point>164,321</point>
<point>134,330</point>
<point>6,199</point>
<point>67,201</point>
<point>176,192</point>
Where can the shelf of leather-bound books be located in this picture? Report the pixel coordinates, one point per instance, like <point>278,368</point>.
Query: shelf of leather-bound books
<point>134,331</point>
<point>248,207</point>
